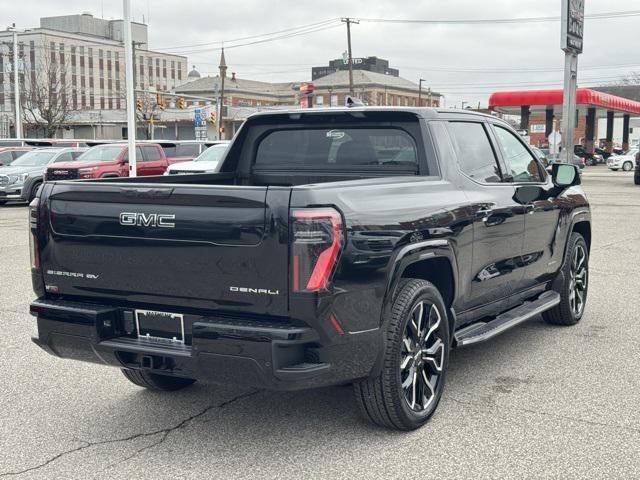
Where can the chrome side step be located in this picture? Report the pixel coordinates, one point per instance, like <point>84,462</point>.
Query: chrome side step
<point>481,331</point>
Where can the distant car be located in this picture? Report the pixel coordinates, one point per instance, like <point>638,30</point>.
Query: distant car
<point>112,160</point>
<point>178,151</point>
<point>9,154</point>
<point>20,180</point>
<point>589,158</point>
<point>542,156</point>
<point>624,161</point>
<point>576,160</point>
<point>206,162</point>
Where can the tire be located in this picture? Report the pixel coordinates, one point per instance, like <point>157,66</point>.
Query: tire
<point>627,166</point>
<point>417,325</point>
<point>33,192</point>
<point>636,179</point>
<point>614,169</point>
<point>573,285</point>
<point>155,381</point>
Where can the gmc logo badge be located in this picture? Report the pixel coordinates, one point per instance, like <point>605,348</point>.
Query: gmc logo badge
<point>60,172</point>
<point>147,220</point>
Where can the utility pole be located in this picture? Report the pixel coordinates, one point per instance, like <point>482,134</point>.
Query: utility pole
<point>223,73</point>
<point>349,21</point>
<point>462,103</point>
<point>429,96</point>
<point>130,89</point>
<point>420,92</point>
<point>16,84</point>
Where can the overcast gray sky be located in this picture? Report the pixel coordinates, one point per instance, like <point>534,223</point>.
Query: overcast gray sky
<point>448,57</point>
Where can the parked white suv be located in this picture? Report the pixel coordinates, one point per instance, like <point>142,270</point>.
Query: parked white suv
<point>624,161</point>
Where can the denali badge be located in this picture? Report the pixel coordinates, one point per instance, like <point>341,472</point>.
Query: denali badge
<point>147,220</point>
<point>88,276</point>
<point>263,291</point>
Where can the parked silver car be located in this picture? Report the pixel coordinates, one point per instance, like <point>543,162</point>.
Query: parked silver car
<point>20,180</point>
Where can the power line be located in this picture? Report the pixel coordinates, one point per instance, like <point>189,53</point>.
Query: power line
<point>492,21</point>
<point>220,42</point>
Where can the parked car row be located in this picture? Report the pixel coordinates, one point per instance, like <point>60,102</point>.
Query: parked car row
<point>26,164</point>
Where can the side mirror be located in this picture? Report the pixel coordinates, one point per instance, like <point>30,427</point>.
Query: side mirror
<point>565,175</point>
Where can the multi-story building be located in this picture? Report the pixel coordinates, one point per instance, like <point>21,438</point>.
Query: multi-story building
<point>81,58</point>
<point>371,64</point>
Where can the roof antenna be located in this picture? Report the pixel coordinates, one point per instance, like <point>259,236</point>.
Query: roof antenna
<point>353,102</point>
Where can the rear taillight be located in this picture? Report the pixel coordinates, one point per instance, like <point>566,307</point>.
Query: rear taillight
<point>33,228</point>
<point>316,244</point>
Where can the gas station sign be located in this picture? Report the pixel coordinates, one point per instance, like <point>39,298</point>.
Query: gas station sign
<point>572,26</point>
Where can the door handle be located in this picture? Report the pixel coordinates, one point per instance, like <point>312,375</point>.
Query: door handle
<point>484,213</point>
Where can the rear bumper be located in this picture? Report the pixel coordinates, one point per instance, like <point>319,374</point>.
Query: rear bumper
<point>264,354</point>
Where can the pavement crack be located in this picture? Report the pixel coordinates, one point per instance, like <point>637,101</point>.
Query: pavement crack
<point>164,432</point>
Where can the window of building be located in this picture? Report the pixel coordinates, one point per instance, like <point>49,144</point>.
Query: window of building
<point>164,69</point>
<point>173,69</point>
<point>179,70</point>
<point>334,100</point>
<point>521,165</point>
<point>157,67</point>
<point>319,100</point>
<point>474,152</point>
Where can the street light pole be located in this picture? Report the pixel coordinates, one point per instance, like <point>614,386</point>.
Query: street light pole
<point>420,92</point>
<point>128,78</point>
<point>349,21</point>
<point>223,73</point>
<point>16,85</point>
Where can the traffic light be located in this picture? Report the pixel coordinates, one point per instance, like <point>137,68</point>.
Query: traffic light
<point>182,102</point>
<point>139,104</point>
<point>212,117</point>
<point>221,130</point>
<point>160,101</point>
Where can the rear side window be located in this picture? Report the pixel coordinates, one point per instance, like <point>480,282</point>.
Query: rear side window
<point>151,154</point>
<point>474,152</point>
<point>521,165</point>
<point>336,147</point>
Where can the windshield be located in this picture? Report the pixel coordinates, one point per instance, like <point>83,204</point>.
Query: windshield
<point>33,159</point>
<point>101,153</point>
<point>212,154</point>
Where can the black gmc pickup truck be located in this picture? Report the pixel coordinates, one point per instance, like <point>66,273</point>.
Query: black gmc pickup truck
<point>333,246</point>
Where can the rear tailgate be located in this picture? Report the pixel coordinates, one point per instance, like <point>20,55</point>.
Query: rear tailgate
<point>217,247</point>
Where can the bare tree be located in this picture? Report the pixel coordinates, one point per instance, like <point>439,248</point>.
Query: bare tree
<point>149,114</point>
<point>46,100</point>
<point>632,78</point>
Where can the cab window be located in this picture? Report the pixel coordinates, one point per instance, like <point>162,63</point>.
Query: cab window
<point>474,152</point>
<point>521,165</point>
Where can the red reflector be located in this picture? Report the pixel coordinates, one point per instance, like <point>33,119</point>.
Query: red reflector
<point>336,324</point>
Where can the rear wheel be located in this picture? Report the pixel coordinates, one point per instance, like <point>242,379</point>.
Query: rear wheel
<point>155,381</point>
<point>574,285</point>
<point>407,391</point>
<point>627,166</point>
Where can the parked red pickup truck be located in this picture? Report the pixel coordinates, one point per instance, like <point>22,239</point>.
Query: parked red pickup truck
<point>111,160</point>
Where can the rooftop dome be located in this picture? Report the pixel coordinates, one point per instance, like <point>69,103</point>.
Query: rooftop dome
<point>194,73</point>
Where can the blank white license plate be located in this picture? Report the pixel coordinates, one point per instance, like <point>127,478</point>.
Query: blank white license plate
<point>160,326</point>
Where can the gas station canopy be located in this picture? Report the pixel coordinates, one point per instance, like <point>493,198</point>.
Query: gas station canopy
<point>539,101</point>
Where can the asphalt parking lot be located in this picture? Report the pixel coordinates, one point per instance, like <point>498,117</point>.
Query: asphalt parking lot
<point>538,401</point>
